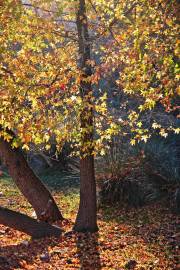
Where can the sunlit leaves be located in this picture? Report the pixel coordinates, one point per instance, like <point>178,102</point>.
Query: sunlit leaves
<point>144,48</point>
<point>40,76</point>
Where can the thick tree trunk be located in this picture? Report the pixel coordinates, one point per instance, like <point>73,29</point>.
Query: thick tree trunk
<point>86,220</point>
<point>28,183</point>
<point>30,226</point>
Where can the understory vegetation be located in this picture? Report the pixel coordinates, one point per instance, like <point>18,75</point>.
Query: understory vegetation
<point>142,175</point>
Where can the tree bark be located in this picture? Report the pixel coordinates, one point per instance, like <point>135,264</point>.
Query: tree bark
<point>30,226</point>
<point>86,220</point>
<point>28,183</point>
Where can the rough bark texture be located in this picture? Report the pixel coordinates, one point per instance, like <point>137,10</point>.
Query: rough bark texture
<point>28,183</point>
<point>30,226</point>
<point>86,220</point>
<point>87,217</point>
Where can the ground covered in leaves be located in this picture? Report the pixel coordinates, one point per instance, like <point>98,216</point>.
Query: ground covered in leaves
<point>141,239</point>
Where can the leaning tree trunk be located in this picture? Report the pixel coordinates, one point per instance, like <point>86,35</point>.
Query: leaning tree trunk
<point>28,183</point>
<point>30,226</point>
<point>87,217</point>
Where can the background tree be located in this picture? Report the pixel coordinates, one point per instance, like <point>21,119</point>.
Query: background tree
<point>30,226</point>
<point>28,182</point>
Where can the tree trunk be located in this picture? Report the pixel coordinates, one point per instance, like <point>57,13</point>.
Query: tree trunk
<point>28,183</point>
<point>30,226</point>
<point>86,220</point>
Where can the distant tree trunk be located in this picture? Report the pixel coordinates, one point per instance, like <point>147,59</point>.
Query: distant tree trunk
<point>30,226</point>
<point>86,220</point>
<point>28,183</point>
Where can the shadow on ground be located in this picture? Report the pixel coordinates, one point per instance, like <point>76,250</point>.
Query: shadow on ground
<point>81,251</point>
<point>88,251</point>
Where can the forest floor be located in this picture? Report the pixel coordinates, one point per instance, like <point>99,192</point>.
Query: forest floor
<point>141,239</point>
